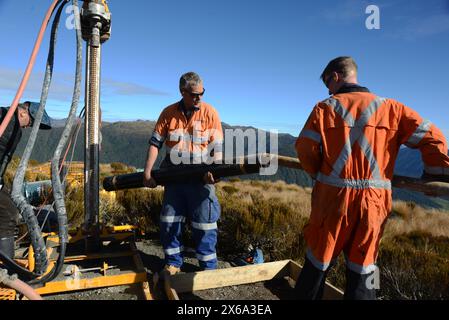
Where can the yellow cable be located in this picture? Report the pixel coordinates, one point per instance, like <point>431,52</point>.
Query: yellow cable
<point>105,5</point>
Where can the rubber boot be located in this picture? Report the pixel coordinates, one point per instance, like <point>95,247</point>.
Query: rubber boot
<point>310,283</point>
<point>356,286</point>
<point>7,246</point>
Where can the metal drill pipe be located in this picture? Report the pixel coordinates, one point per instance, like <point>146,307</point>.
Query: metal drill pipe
<point>176,174</point>
<point>92,133</point>
<point>86,139</point>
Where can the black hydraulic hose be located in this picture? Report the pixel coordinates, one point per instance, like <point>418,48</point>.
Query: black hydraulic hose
<point>21,272</point>
<point>58,189</point>
<point>26,210</point>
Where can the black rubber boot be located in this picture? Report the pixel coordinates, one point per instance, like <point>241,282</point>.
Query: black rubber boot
<point>7,246</point>
<point>358,286</point>
<point>310,283</point>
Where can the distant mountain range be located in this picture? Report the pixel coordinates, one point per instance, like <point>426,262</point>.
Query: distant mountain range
<point>127,142</point>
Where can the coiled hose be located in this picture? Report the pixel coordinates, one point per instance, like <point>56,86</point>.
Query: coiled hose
<point>41,261</point>
<point>58,189</point>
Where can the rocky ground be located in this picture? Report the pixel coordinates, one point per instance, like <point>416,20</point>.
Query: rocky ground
<point>152,257</point>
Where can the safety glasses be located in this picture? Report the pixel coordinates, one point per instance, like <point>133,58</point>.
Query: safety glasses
<point>195,95</point>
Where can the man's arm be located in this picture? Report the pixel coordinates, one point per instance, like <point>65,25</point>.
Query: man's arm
<point>417,133</point>
<point>156,141</point>
<point>216,139</point>
<point>308,144</point>
<point>148,181</point>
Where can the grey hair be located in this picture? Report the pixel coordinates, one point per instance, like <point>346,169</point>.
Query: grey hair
<point>188,80</point>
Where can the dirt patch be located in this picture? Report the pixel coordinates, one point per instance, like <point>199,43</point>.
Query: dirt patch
<point>152,257</point>
<point>276,289</point>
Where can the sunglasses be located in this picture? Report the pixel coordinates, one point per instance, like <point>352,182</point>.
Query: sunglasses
<point>195,95</point>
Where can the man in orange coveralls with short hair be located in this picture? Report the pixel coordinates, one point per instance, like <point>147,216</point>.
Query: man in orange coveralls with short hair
<point>349,145</point>
<point>192,133</point>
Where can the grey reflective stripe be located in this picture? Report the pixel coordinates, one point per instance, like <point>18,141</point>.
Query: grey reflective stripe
<point>179,137</point>
<point>437,170</point>
<point>356,135</point>
<point>189,138</point>
<point>419,133</point>
<point>369,111</point>
<point>158,137</point>
<point>204,226</point>
<point>363,141</point>
<point>368,151</point>
<point>343,157</point>
<point>206,257</point>
<point>341,110</point>
<point>199,140</point>
<point>172,251</point>
<point>354,184</point>
<point>347,149</point>
<point>185,154</point>
<point>179,152</point>
<point>315,136</point>
<point>172,219</point>
<point>317,264</point>
<point>357,268</point>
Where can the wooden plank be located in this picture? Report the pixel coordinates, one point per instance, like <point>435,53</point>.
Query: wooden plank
<point>141,268</point>
<point>209,279</point>
<point>169,291</point>
<point>330,292</point>
<point>92,283</point>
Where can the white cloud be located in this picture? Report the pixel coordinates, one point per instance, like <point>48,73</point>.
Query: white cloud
<point>62,85</point>
<point>419,27</point>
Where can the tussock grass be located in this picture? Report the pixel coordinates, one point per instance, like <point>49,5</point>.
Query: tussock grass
<point>414,252</point>
<point>408,217</point>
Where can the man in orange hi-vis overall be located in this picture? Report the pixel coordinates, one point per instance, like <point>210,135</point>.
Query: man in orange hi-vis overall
<point>349,146</point>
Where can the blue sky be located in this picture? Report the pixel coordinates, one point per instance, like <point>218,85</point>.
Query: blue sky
<point>260,60</point>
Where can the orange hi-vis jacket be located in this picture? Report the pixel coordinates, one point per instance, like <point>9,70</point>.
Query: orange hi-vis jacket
<point>349,144</point>
<point>189,141</point>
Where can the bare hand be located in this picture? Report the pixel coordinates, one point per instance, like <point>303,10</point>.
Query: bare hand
<point>208,178</point>
<point>149,182</point>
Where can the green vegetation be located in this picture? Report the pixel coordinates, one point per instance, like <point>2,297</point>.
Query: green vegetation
<point>413,257</point>
<point>414,252</point>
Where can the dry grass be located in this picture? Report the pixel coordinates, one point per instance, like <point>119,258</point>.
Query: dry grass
<point>407,218</point>
<point>269,215</point>
<point>414,252</point>
<point>295,197</point>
